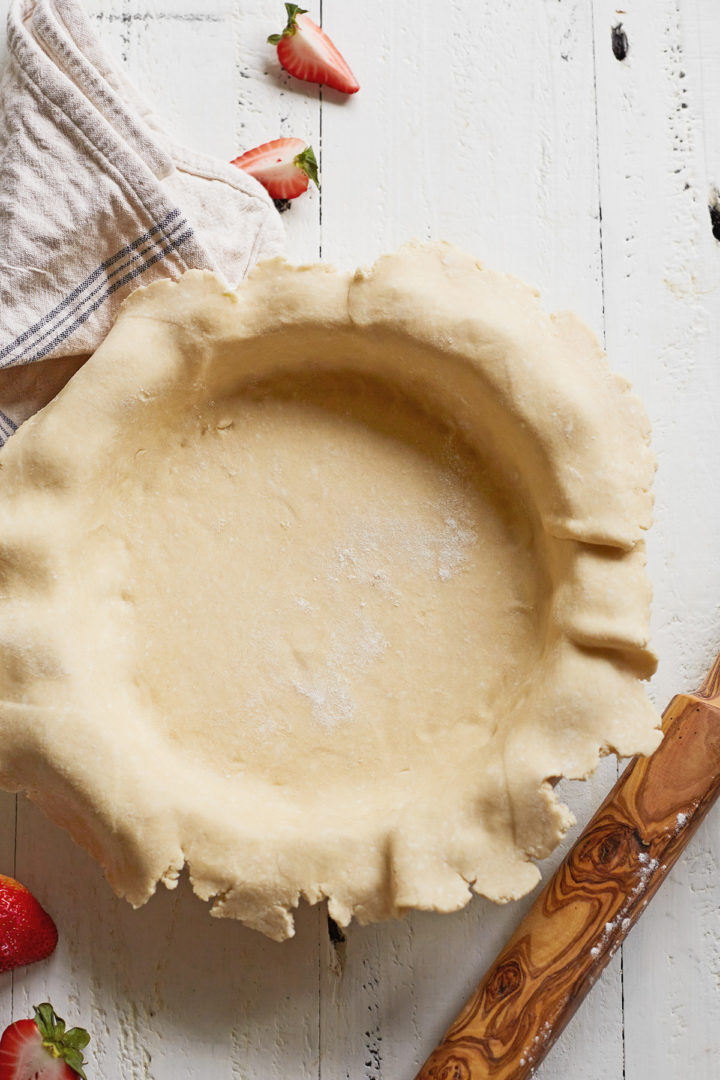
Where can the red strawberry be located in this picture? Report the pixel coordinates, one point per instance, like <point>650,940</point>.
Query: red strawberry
<point>306,52</point>
<point>41,1049</point>
<point>283,166</point>
<point>27,933</point>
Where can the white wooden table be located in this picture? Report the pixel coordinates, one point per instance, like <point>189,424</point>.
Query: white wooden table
<point>510,128</point>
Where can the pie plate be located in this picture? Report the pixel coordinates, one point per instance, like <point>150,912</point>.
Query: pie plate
<point>317,586</point>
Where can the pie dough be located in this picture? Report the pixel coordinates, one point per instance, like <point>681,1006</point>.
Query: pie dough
<point>319,585</point>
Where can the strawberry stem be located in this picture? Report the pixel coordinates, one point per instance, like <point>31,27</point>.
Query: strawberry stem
<point>293,10</point>
<point>307,163</point>
<point>58,1042</point>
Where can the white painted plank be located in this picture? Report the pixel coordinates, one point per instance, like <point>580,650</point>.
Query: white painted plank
<point>476,127</point>
<point>662,289</point>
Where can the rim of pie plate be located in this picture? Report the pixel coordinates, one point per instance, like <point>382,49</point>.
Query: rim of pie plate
<point>318,585</point>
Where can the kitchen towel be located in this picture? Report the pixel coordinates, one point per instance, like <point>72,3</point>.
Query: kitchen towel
<point>95,200</point>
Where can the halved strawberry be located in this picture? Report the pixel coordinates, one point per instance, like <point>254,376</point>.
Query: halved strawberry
<point>306,52</point>
<point>27,933</point>
<point>283,166</point>
<point>41,1049</point>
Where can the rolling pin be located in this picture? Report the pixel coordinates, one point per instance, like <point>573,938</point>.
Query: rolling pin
<point>591,903</point>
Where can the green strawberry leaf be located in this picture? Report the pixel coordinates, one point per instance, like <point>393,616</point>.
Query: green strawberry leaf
<point>77,1038</point>
<point>59,1043</point>
<point>307,161</point>
<point>75,1059</point>
<point>49,1025</point>
<point>293,10</point>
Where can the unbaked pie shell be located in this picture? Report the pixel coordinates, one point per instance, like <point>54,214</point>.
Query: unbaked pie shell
<point>318,585</point>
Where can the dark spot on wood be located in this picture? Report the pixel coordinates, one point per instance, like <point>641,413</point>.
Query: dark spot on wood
<point>607,849</point>
<point>714,208</point>
<point>505,981</point>
<point>619,41</point>
<point>281,205</point>
<point>338,950</point>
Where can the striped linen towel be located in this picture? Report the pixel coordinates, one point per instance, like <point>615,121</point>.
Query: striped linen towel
<point>96,200</point>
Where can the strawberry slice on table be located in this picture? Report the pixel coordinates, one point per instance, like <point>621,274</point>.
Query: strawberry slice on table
<point>27,933</point>
<point>306,52</point>
<point>284,166</point>
<point>41,1049</point>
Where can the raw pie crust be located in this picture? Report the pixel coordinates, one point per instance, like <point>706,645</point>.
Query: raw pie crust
<point>317,586</point>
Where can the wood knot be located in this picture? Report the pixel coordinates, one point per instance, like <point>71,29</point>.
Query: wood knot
<point>609,847</point>
<point>505,981</point>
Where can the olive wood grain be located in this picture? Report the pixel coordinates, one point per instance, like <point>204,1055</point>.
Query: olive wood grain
<point>592,901</point>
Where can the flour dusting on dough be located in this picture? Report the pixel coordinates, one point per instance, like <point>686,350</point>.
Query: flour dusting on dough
<point>374,542</point>
<point>355,643</point>
<point>374,549</point>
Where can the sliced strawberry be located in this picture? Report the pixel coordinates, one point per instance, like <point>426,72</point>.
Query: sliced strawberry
<point>306,52</point>
<point>41,1049</point>
<point>27,933</point>
<point>284,166</point>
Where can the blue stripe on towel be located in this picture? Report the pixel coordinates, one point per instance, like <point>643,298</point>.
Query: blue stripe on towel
<point>172,246</point>
<point>156,250</point>
<point>53,319</point>
<point>72,314</point>
<point>7,426</point>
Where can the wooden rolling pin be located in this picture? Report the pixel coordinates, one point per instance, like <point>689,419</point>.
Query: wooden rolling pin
<point>592,901</point>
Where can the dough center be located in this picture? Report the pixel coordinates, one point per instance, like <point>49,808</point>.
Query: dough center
<point>347,566</point>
